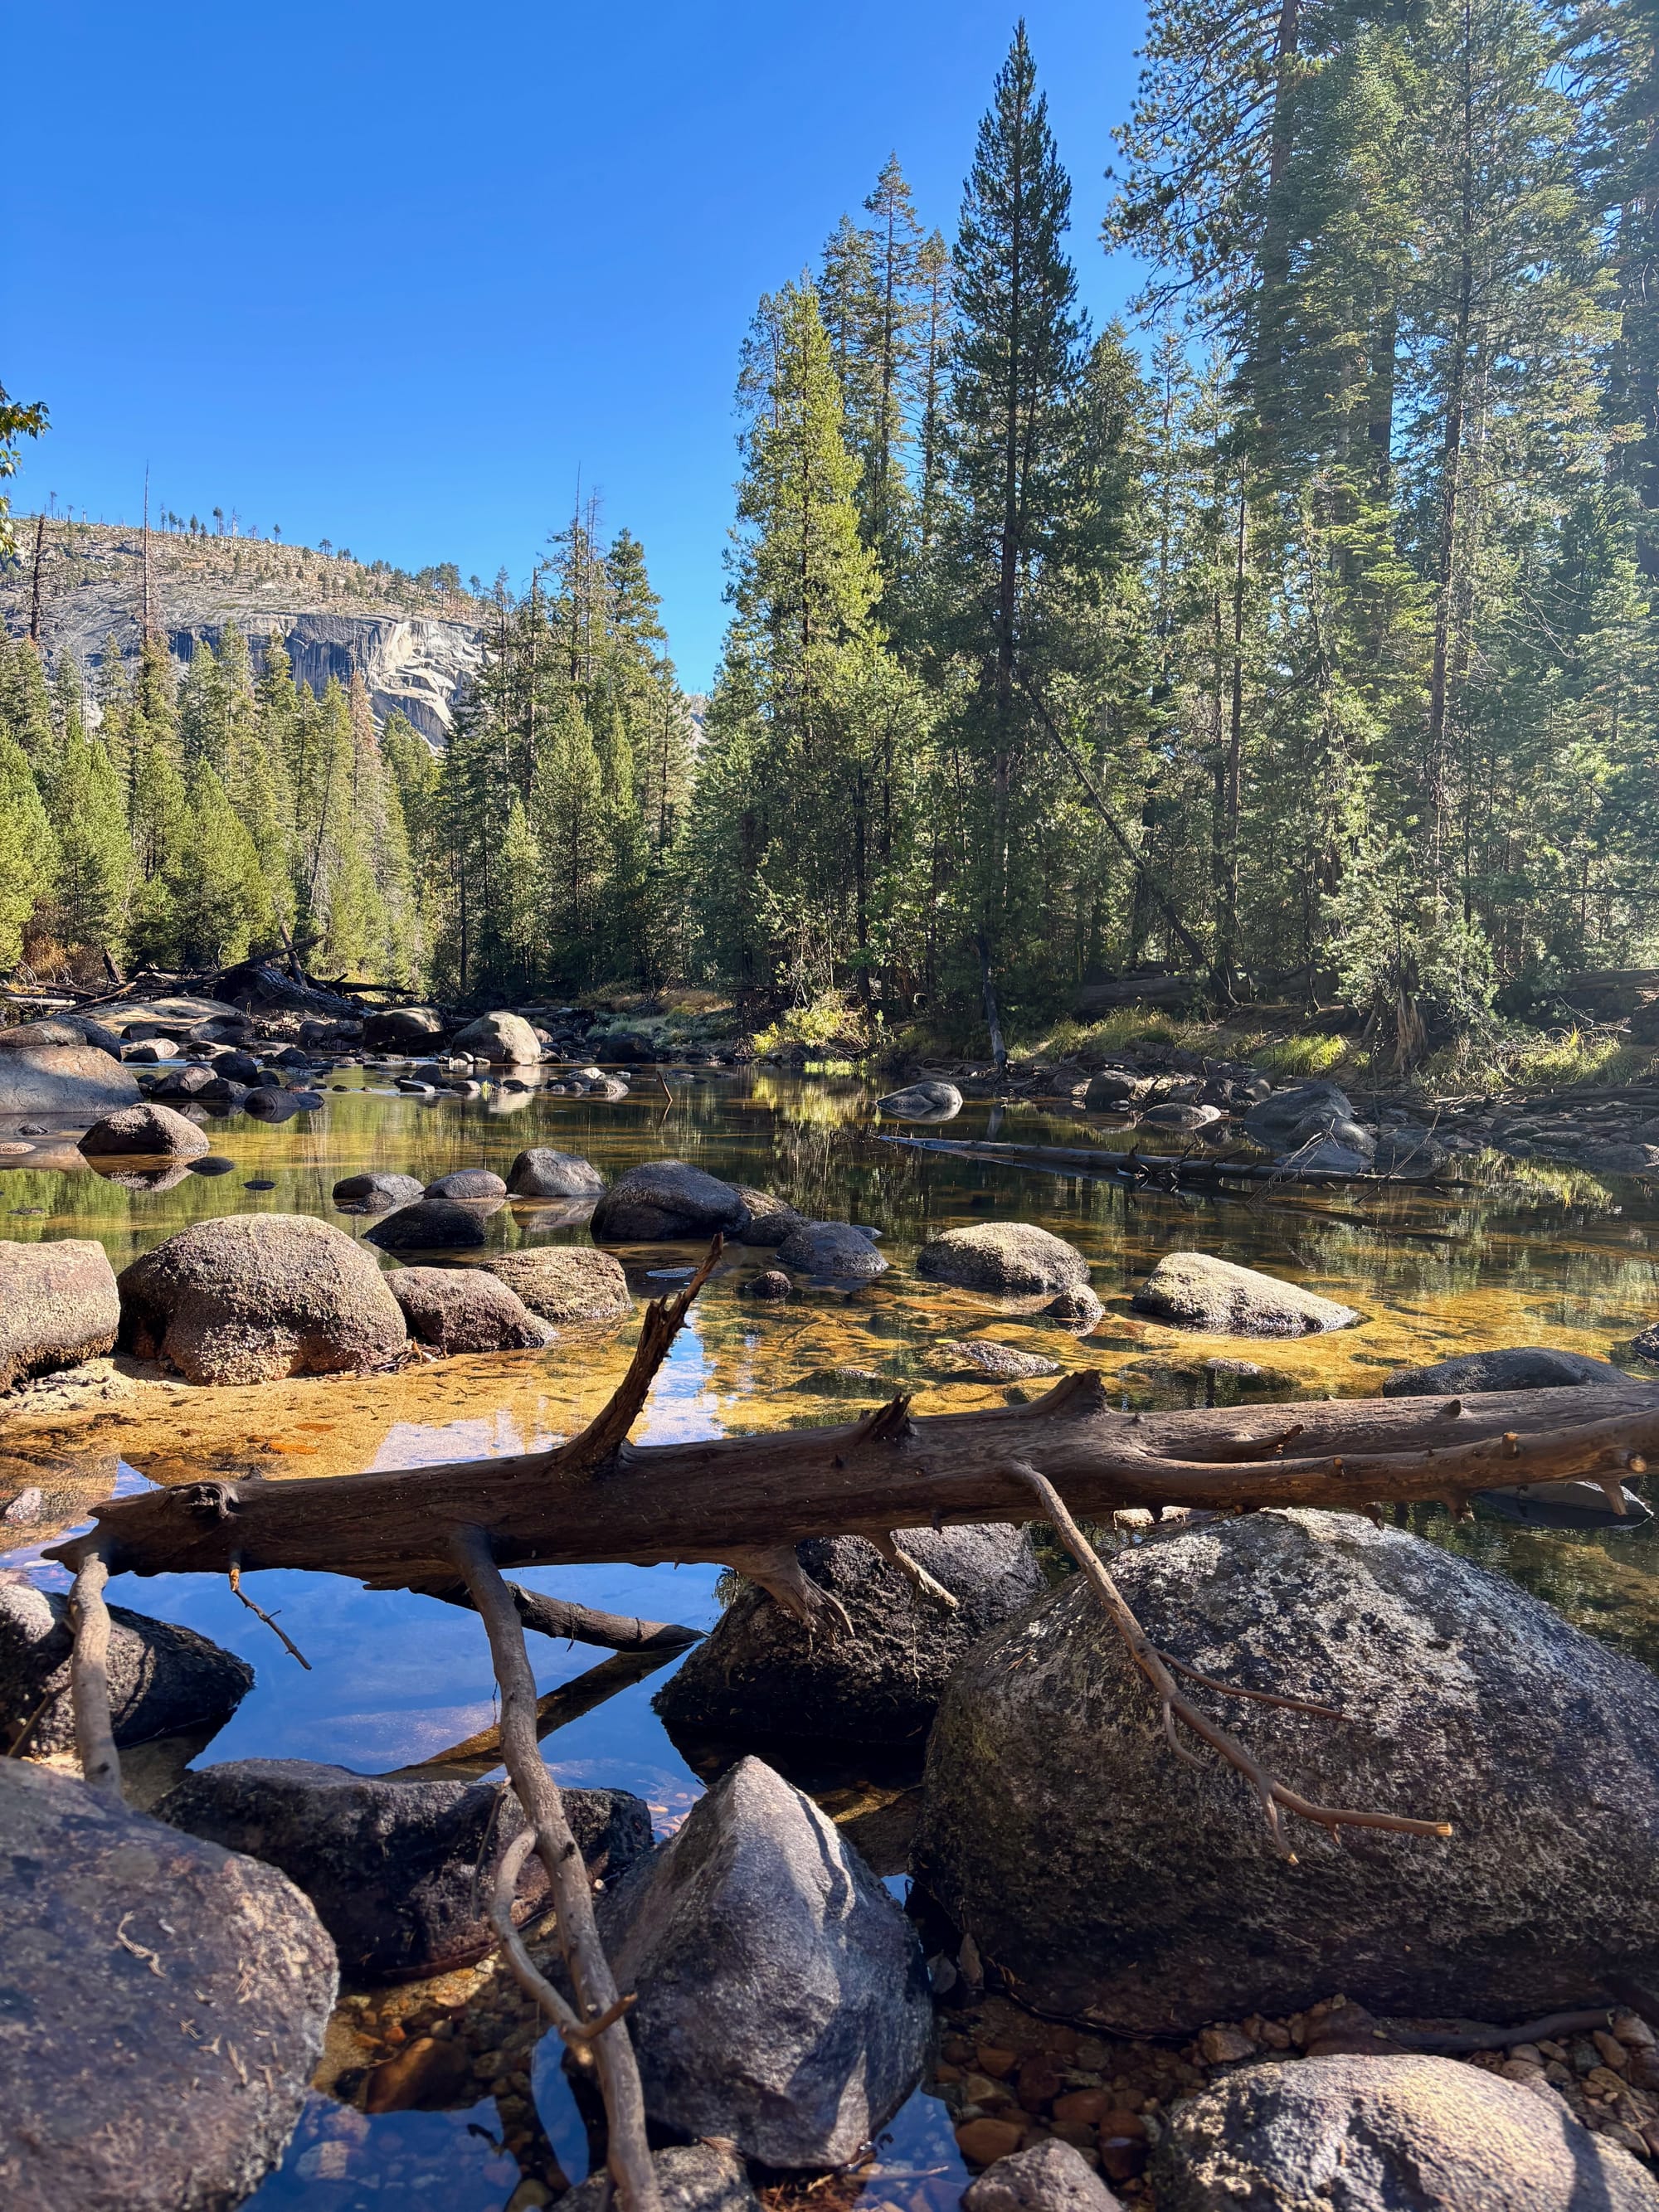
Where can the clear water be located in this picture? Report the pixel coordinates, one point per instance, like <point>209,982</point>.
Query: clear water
<point>1524,1253</point>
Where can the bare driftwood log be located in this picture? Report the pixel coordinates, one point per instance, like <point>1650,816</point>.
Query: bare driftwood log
<point>585,1624</point>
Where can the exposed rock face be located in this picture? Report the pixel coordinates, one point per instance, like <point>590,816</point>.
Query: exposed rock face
<point>412,665</point>
<point>690,2178</point>
<point>395,1868</point>
<point>664,1201</point>
<point>760,1672</point>
<point>499,1036</point>
<point>1049,2177</point>
<point>1191,1290</point>
<point>1519,1367</point>
<point>1388,2135</point>
<point>1151,1899</point>
<point>544,1173</point>
<point>431,1224</point>
<point>396,1028</point>
<point>377,1192</point>
<point>155,1132</point>
<point>784,2005</point>
<point>566,1282</point>
<point>976,1360</point>
<point>929,1101</point>
<point>1012,1258</point>
<point>69,1081</point>
<point>466,1310</point>
<point>162,1680</point>
<point>254,1296</point>
<point>59,1306</point>
<point>472,1185</point>
<point>831,1247</point>
<point>771,1220</point>
<point>110,2106</point>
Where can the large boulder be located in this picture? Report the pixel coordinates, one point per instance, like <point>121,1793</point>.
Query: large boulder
<point>1014,1259</point>
<point>154,1132</point>
<point>499,1036</point>
<point>1514,1367</point>
<point>1388,2135</point>
<point>252,1297</point>
<point>929,1101</point>
<point>664,1201</point>
<point>690,2178</point>
<point>1109,1088</point>
<point>400,1872</point>
<point>466,1310</point>
<point>376,1190</point>
<point>395,1028</point>
<point>566,1282</point>
<point>162,1680</point>
<point>783,2002</point>
<point>472,1185</point>
<point>1305,1115</point>
<point>542,1172</point>
<point>165,2004</point>
<point>770,1218</point>
<point>61,1029</point>
<point>71,1082</point>
<point>1192,1290</point>
<point>1116,1883</point>
<point>59,1305</point>
<point>831,1247</point>
<point>760,1672</point>
<point>1048,2177</point>
<point>431,1224</point>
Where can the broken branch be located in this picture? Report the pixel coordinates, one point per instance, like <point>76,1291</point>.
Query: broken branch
<point>95,1732</point>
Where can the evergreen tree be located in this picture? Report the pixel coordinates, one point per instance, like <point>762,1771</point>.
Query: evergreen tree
<point>93,851</point>
<point>29,855</point>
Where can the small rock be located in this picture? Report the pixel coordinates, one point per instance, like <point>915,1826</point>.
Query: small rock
<point>155,1132</point>
<point>1049,2177</point>
<point>1225,2046</point>
<point>1192,1290</point>
<point>466,1310</point>
<point>1079,1307</point>
<point>544,1173</point>
<point>773,1283</point>
<point>1108,1087</point>
<point>984,2142</point>
<point>929,1101</point>
<point>431,1224</point>
<point>690,2178</point>
<point>376,1191</point>
<point>830,1248</point>
<point>566,1282</point>
<point>470,1184</point>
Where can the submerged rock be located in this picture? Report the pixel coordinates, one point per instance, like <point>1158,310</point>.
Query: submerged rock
<point>162,1680</point>
<point>399,1871</point>
<point>1114,1883</point>
<point>566,1282</point>
<point>760,1672</point>
<point>1517,1367</point>
<point>68,1080</point>
<point>466,1310</point>
<point>1192,1290</point>
<point>154,1131</point>
<point>929,1101</point>
<point>1014,1259</point>
<point>784,2005</point>
<point>430,1225</point>
<point>831,1247</point>
<point>1050,2177</point>
<point>501,1037</point>
<point>542,1172</point>
<point>773,1283</point>
<point>376,1191</point>
<point>166,2003</point>
<point>664,1201</point>
<point>976,1360</point>
<point>252,1297</point>
<point>59,1305</point>
<point>1388,2135</point>
<point>690,2178</point>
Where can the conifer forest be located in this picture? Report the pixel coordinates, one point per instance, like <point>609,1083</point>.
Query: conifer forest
<point>1298,638</point>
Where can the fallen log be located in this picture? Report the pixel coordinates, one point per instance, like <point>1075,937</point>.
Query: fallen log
<point>1164,1170</point>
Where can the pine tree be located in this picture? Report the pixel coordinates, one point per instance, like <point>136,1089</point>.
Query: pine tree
<point>95,853</point>
<point>28,857</point>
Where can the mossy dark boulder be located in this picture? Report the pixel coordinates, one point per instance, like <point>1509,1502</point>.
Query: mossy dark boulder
<point>162,1680</point>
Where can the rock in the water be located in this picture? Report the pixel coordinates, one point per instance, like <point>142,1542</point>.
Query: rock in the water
<point>544,1173</point>
<point>1407,1150</point>
<point>394,1028</point>
<point>1151,1899</point>
<point>68,1080</point>
<point>155,1132</point>
<point>1110,1086</point>
<point>1177,1113</point>
<point>162,1680</point>
<point>1078,1307</point>
<point>470,1185</point>
<point>930,1100</point>
<point>376,1191</point>
<point>690,2178</point>
<point>1012,1258</point>
<point>665,1201</point>
<point>188,1082</point>
<point>59,1305</point>
<point>431,1224</point>
<point>1191,1290</point>
<point>270,1103</point>
<point>165,2007</point>
<point>831,1247</point>
<point>760,1672</point>
<point>1303,1114</point>
<point>500,1037</point>
<point>976,1360</point>
<point>771,1220</point>
<point>773,1283</point>
<point>784,2004</point>
<point>1049,2177</point>
<point>251,1297</point>
<point>466,1310</point>
<point>1388,2135</point>
<point>72,1030</point>
<point>1515,1367</point>
<point>566,1282</point>
<point>399,1871</point>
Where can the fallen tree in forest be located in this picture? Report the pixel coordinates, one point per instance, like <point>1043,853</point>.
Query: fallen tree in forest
<point>448,1530</point>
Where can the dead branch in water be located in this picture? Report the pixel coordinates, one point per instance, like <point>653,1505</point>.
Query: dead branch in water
<point>583,1624</point>
<point>269,1619</point>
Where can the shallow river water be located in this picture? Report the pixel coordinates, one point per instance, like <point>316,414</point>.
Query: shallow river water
<point>1523,1253</point>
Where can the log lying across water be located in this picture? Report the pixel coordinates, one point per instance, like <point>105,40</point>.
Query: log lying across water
<point>1164,1171</point>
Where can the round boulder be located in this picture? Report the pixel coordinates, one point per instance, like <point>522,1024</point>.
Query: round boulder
<point>501,1037</point>
<point>1191,1290</point>
<point>166,2004</point>
<point>1050,2176</point>
<point>1388,2135</point>
<point>155,1132</point>
<point>762,1673</point>
<point>930,1100</point>
<point>566,1282</point>
<point>466,1310</point>
<point>771,1220</point>
<point>71,1030</point>
<point>376,1192</point>
<point>1014,1259</point>
<point>1114,1883</point>
<point>161,1679</point>
<point>770,1283</point>
<point>252,1297</point>
<point>543,1172</point>
<point>830,1248</point>
<point>392,1029</point>
<point>1515,1367</point>
<point>1110,1087</point>
<point>59,1305</point>
<point>431,1224</point>
<point>470,1184</point>
<point>665,1202</point>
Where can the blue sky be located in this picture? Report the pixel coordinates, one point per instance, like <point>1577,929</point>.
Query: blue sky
<point>392,275</point>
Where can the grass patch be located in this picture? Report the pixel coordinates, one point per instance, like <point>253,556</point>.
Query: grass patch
<point>825,1028</point>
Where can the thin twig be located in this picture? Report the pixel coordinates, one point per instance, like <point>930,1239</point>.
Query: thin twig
<point>95,1733</point>
<point>1158,1670</point>
<point>282,1635</point>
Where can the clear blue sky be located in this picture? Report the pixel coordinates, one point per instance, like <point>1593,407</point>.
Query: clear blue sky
<point>390,275</point>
